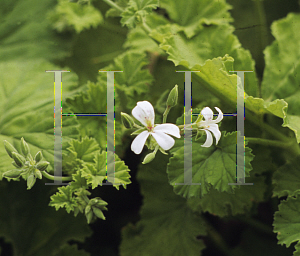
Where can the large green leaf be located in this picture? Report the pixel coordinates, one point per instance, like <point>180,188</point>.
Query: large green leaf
<point>193,15</point>
<point>287,222</point>
<point>211,42</point>
<point>286,179</point>
<point>25,31</point>
<point>281,76</point>
<point>212,167</point>
<point>167,226</point>
<point>26,106</point>
<point>244,196</point>
<point>31,225</point>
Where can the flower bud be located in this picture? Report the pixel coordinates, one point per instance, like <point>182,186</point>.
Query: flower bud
<point>127,120</point>
<point>89,216</point>
<point>38,157</point>
<point>30,181</point>
<point>19,159</point>
<point>9,148</point>
<point>42,166</point>
<point>14,164</point>
<point>24,147</point>
<point>148,158</point>
<point>38,174</point>
<point>12,174</point>
<point>98,213</point>
<point>173,97</point>
<point>88,208</point>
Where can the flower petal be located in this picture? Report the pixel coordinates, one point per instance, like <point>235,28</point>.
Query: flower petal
<point>220,116</point>
<point>207,114</point>
<point>209,140</point>
<point>171,129</point>
<point>214,128</point>
<point>138,143</point>
<point>144,111</point>
<point>165,141</point>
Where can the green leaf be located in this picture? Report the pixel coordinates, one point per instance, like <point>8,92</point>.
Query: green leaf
<point>63,198</point>
<point>287,222</point>
<point>286,179</point>
<point>167,226</point>
<point>85,149</point>
<point>93,100</point>
<point>193,15</point>
<point>13,174</point>
<point>136,11</point>
<point>280,78</point>
<point>70,250</point>
<point>114,12</point>
<point>201,52</point>
<point>133,82</point>
<point>45,229</point>
<point>26,33</point>
<point>139,40</point>
<point>69,16</point>
<point>260,106</point>
<point>95,174</point>
<point>78,181</point>
<point>212,167</point>
<point>27,110</point>
<point>244,197</point>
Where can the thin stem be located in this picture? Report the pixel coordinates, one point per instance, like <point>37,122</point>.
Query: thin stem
<point>165,114</point>
<point>146,27</point>
<point>114,5</point>
<point>51,177</point>
<point>266,142</point>
<point>156,148</point>
<point>137,126</point>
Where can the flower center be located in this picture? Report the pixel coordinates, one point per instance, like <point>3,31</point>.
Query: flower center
<point>149,126</point>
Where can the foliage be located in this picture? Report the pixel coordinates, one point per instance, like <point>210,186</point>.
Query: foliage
<point>149,40</point>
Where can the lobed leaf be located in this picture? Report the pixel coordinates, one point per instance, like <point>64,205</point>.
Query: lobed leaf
<point>281,79</point>
<point>194,15</point>
<point>287,222</point>
<point>212,167</point>
<point>137,10</point>
<point>64,198</point>
<point>286,179</point>
<point>95,173</point>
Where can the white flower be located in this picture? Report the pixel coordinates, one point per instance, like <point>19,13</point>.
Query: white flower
<point>144,112</point>
<point>210,125</point>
